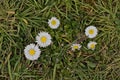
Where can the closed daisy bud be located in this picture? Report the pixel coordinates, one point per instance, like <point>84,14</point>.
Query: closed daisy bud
<point>76,47</point>
<point>91,31</point>
<point>43,39</point>
<point>91,45</point>
<point>54,23</point>
<point>32,52</point>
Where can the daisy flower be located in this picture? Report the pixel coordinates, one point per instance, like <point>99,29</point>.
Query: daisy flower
<point>91,31</point>
<point>91,45</point>
<point>76,46</point>
<point>54,23</point>
<point>43,39</point>
<point>32,52</point>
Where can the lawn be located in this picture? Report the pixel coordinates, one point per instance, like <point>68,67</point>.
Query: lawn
<point>22,20</point>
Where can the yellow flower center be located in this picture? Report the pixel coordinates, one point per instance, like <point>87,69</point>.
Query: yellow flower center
<point>91,31</point>
<point>43,39</point>
<point>53,22</point>
<point>92,46</point>
<point>32,52</point>
<point>75,47</point>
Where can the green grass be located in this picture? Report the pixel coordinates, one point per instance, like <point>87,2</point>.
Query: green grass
<point>22,20</point>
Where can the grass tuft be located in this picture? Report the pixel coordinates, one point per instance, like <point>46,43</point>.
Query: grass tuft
<point>22,20</point>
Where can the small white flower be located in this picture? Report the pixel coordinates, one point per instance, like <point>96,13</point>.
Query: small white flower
<point>43,39</point>
<point>76,46</point>
<point>32,52</point>
<point>54,23</point>
<point>91,31</point>
<point>91,45</point>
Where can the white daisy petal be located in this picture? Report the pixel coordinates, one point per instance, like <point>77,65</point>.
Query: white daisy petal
<point>43,39</point>
<point>54,23</point>
<point>91,31</point>
<point>32,52</point>
<point>91,45</point>
<point>76,46</point>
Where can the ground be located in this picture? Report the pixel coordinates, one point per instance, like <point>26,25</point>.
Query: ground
<point>22,20</point>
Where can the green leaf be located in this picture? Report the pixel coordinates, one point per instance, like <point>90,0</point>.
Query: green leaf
<point>91,64</point>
